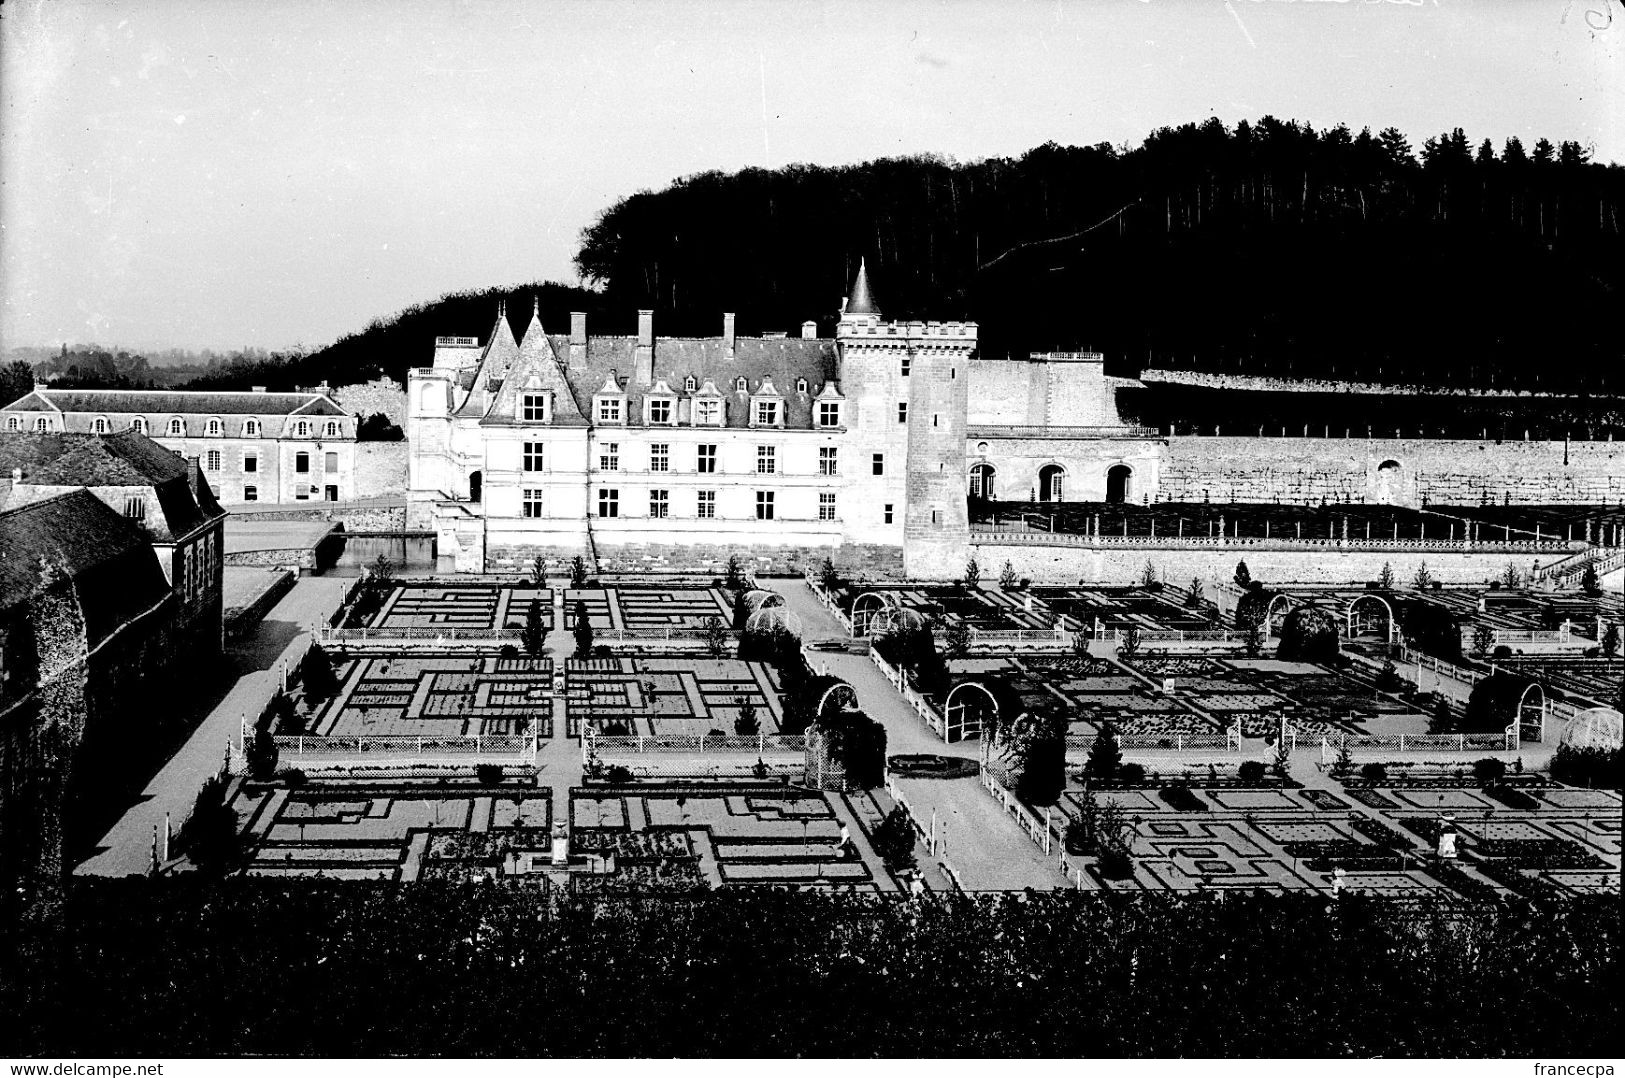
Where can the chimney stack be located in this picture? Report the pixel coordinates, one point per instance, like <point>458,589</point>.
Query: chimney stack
<point>643,372</point>
<point>578,338</point>
<point>728,333</point>
<point>809,331</point>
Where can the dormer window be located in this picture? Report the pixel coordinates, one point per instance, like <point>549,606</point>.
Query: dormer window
<point>99,425</point>
<point>42,424</point>
<point>661,412</point>
<point>767,413</point>
<point>801,385</point>
<point>177,428</point>
<point>767,406</point>
<point>660,405</point>
<point>251,428</point>
<point>214,428</point>
<point>829,413</point>
<point>708,413</point>
<point>332,428</point>
<point>139,425</point>
<point>533,407</point>
<point>301,429</point>
<point>740,385</point>
<point>13,423</point>
<point>690,384</point>
<point>609,409</point>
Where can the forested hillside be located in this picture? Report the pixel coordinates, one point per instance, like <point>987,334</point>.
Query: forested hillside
<point>1265,248</point>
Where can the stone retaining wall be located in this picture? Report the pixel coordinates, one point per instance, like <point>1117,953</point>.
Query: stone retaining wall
<point>766,559</point>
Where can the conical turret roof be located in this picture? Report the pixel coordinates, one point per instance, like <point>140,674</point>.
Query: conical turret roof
<point>862,302</point>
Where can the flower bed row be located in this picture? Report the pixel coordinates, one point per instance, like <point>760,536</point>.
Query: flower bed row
<point>632,846</point>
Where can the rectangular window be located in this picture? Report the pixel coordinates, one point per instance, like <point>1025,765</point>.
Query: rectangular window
<point>906,365</point>
<point>332,463</point>
<point>764,505</point>
<point>827,460</point>
<point>213,460</point>
<point>659,503</point>
<point>902,412</point>
<point>301,462</point>
<point>879,464</point>
<point>766,460</point>
<point>706,504</point>
<point>660,457</point>
<point>533,407</point>
<point>609,502</point>
<point>251,494</point>
<point>767,413</point>
<point>936,518</point>
<point>609,410</point>
<point>829,414</point>
<point>533,456</point>
<point>826,506</point>
<point>251,463</point>
<point>135,508</point>
<point>531,502</point>
<point>609,457</point>
<point>707,462</point>
<point>708,413</point>
<point>885,517</point>
<point>660,411</point>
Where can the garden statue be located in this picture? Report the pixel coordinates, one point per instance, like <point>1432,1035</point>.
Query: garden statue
<point>1447,838</point>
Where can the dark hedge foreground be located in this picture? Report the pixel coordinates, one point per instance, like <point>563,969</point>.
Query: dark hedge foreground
<point>186,969</point>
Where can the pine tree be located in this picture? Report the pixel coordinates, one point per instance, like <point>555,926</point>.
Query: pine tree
<point>583,631</point>
<point>533,637</point>
<point>1105,755</point>
<point>578,572</point>
<point>1007,576</point>
<point>1244,577</point>
<point>973,573</point>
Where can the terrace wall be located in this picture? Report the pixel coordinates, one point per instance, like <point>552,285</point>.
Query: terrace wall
<point>1438,471</point>
<point>853,559</point>
<point>1068,565</point>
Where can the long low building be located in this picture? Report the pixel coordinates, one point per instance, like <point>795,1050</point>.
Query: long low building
<point>254,447</point>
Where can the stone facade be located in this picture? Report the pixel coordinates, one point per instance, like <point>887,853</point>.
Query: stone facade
<point>381,396</point>
<point>1391,471</point>
<point>380,468</point>
<point>254,447</point>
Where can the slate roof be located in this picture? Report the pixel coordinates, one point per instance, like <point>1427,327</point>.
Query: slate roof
<point>174,402</point>
<point>109,558</point>
<point>126,459</point>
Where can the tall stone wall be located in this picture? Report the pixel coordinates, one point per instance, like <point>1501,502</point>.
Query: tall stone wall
<point>852,559</point>
<point>383,395</point>
<point>1393,471</point>
<point>1125,565</point>
<point>380,468</point>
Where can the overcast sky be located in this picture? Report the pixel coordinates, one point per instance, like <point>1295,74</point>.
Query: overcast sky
<point>224,174</point>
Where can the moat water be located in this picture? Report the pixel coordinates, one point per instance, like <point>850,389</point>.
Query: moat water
<point>349,554</point>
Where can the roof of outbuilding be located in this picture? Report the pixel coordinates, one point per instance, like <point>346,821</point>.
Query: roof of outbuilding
<point>155,401</point>
<point>109,559</point>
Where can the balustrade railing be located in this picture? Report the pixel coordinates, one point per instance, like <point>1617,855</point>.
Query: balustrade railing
<point>308,750</point>
<point>1021,535</point>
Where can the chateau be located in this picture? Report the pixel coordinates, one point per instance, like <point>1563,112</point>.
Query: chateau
<point>254,447</point>
<point>655,451</point>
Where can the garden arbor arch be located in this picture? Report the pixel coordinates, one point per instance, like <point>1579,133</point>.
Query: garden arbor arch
<point>839,696</point>
<point>866,607</point>
<point>1051,483</point>
<point>1275,614</point>
<point>1119,484</point>
<point>1369,615</point>
<point>970,709</point>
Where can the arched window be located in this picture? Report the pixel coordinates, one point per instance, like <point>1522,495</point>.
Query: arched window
<point>1119,483</point>
<point>690,384</point>
<point>13,423</point>
<point>139,425</point>
<point>981,481</point>
<point>98,425</point>
<point>332,428</point>
<point>1051,483</point>
<point>177,427</point>
<point>251,428</point>
<point>301,429</point>
<point>214,427</point>
<point>740,384</point>
<point>42,424</point>
<point>476,486</point>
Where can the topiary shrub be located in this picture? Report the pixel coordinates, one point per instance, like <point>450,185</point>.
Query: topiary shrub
<point>1105,755</point>
<point>1375,773</point>
<point>261,753</point>
<point>488,774</point>
<point>893,840</point>
<point>1131,774</point>
<point>619,775</point>
<point>1251,771</point>
<point>1309,635</point>
<point>1489,770</point>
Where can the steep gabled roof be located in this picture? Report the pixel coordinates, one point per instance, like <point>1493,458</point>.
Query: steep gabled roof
<point>536,368</point>
<point>109,559</point>
<point>31,402</point>
<point>861,301</point>
<point>500,352</point>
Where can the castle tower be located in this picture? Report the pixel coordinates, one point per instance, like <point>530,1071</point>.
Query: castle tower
<point>906,384</point>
